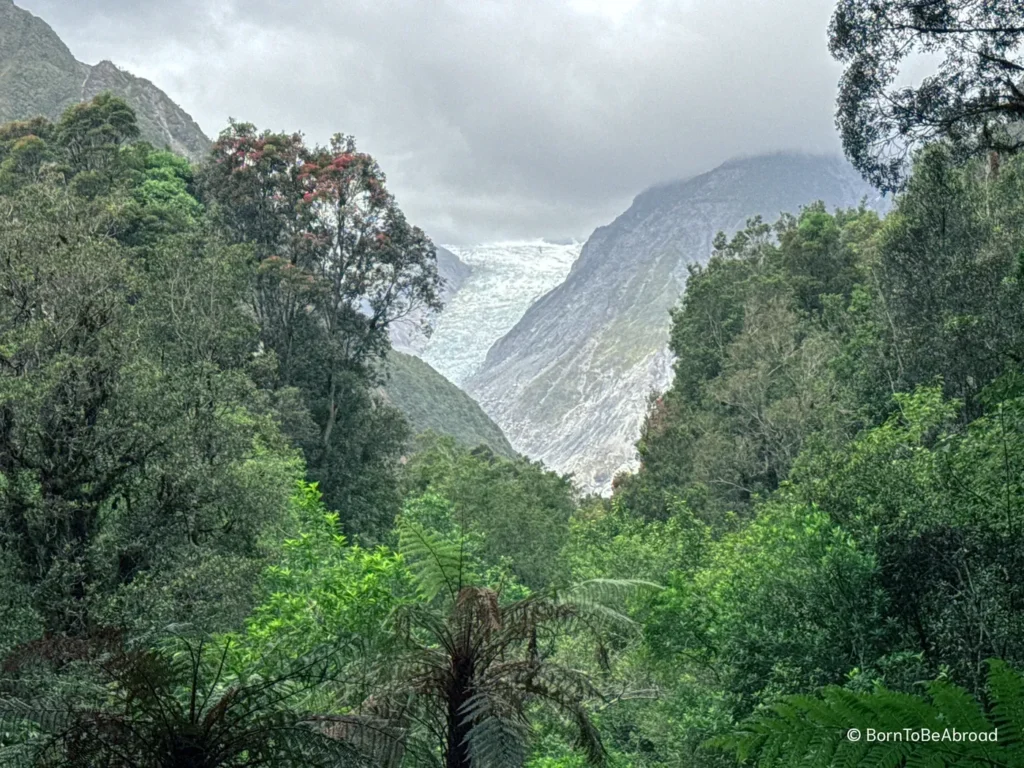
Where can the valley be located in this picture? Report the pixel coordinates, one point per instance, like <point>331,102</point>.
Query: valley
<point>504,280</point>
<point>353,450</point>
<point>566,360</point>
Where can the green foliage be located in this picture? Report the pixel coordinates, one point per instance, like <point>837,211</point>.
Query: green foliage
<point>338,263</point>
<point>476,664</point>
<point>948,294</point>
<point>438,564</point>
<point>322,591</point>
<point>495,500</point>
<point>813,730</point>
<point>432,403</point>
<point>607,541</point>
<point>940,506</point>
<point>845,420</point>
<point>357,474</point>
<point>161,201</point>
<point>90,136</point>
<point>830,489</point>
<point>972,100</point>
<point>25,149</point>
<point>754,344</point>
<point>143,473</point>
<point>179,706</point>
<point>789,601</point>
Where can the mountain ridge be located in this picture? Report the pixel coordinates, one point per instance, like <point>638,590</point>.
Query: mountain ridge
<point>40,76</point>
<point>570,382</point>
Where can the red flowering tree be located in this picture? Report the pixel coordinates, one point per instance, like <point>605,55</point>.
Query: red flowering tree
<point>338,263</point>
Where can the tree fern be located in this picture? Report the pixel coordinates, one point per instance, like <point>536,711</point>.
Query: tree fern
<point>177,706</point>
<point>439,565</point>
<point>475,663</point>
<point>814,731</point>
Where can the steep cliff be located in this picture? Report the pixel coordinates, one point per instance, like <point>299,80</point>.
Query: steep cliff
<point>569,384</point>
<point>40,76</point>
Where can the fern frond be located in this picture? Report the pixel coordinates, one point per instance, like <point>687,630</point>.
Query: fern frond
<point>499,732</point>
<point>1006,689</point>
<point>438,565</point>
<point>811,731</point>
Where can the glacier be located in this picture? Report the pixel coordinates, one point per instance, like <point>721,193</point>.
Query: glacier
<point>506,278</point>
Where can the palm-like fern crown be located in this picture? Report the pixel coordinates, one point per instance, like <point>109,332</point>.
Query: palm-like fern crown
<point>177,706</point>
<point>486,657</point>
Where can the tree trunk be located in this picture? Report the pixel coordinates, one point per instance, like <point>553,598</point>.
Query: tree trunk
<point>459,691</point>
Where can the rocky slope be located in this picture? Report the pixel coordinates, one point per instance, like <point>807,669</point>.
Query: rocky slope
<point>407,335</point>
<point>430,401</point>
<point>569,384</point>
<point>40,76</point>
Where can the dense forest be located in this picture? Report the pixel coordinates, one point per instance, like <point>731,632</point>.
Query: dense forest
<point>221,546</point>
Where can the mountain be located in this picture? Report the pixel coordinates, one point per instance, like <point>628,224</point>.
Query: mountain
<point>430,401</point>
<point>507,278</point>
<point>40,76</point>
<point>569,384</point>
<point>407,334</point>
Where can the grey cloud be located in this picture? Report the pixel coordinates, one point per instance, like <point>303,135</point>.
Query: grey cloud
<point>518,118</point>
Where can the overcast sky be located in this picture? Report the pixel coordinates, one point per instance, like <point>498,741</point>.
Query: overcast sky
<point>493,119</point>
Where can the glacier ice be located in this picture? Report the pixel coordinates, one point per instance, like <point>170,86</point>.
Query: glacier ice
<point>507,278</point>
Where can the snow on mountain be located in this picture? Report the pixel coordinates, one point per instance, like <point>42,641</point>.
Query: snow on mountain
<point>408,334</point>
<point>569,383</point>
<point>506,278</point>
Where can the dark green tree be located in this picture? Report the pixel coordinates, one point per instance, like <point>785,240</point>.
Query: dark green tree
<point>133,445</point>
<point>943,299</point>
<point>975,98</point>
<point>25,148</point>
<point>753,338</point>
<point>338,263</point>
<point>90,136</point>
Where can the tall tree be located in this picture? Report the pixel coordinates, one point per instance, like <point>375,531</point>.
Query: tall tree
<point>753,378</point>
<point>338,264</point>
<point>135,451</point>
<point>945,288</point>
<point>975,98</point>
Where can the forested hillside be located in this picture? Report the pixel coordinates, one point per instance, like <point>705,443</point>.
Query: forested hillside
<point>221,546</point>
<point>432,403</point>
